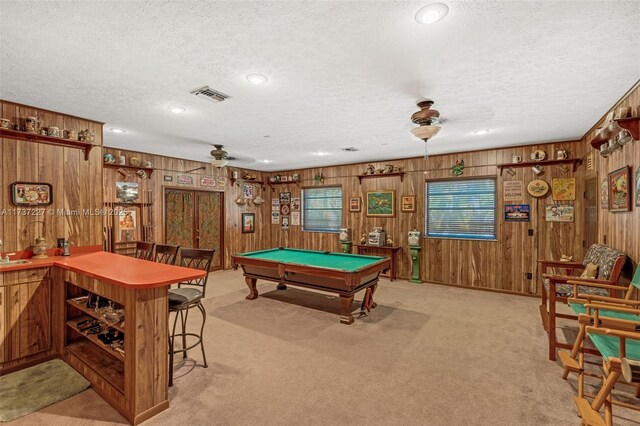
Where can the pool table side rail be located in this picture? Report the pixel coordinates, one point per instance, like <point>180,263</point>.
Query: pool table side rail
<point>237,260</point>
<point>336,253</point>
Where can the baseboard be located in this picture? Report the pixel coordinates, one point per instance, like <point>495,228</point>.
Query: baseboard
<point>492,290</point>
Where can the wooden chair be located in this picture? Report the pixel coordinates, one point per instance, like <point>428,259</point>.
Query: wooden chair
<point>556,288</point>
<point>166,254</point>
<point>144,250</point>
<point>618,342</point>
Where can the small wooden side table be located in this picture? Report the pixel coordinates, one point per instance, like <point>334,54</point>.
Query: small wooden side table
<point>415,264</point>
<point>389,251</point>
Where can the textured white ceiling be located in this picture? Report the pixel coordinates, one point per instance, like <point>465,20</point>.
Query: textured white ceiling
<point>340,73</point>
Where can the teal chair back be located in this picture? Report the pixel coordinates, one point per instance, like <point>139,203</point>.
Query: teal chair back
<point>635,281</point>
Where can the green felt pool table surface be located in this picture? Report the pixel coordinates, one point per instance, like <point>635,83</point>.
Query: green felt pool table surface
<point>339,261</point>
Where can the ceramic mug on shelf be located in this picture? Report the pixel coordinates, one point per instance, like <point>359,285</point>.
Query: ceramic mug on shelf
<point>31,124</point>
<point>613,144</point>
<point>537,169</point>
<point>511,171</point>
<point>148,164</point>
<point>624,138</point>
<point>5,123</point>
<point>516,159</point>
<point>53,131</point>
<point>123,160</point>
<point>71,134</point>
<point>141,173</point>
<point>604,150</point>
<point>562,154</point>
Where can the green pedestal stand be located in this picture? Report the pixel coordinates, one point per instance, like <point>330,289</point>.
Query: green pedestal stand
<point>415,264</point>
<point>346,246</point>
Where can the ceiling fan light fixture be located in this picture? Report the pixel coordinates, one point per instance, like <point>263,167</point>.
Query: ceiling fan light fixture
<point>425,132</point>
<point>219,163</point>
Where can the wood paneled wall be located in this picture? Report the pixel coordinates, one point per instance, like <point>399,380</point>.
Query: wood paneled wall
<point>500,264</point>
<point>76,183</point>
<point>235,241</point>
<point>619,230</point>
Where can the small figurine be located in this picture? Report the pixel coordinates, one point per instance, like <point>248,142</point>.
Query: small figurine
<point>565,258</point>
<point>363,239</point>
<point>388,168</point>
<point>379,171</point>
<point>458,168</point>
<point>319,178</point>
<point>389,241</point>
<point>370,170</point>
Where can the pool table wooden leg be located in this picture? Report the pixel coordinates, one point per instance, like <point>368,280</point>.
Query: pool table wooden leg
<point>251,283</point>
<point>345,309</point>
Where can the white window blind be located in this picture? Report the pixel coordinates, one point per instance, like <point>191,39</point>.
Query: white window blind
<point>464,208</point>
<point>322,209</point>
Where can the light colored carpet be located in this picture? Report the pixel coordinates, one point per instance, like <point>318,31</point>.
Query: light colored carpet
<point>428,355</point>
<point>31,389</point>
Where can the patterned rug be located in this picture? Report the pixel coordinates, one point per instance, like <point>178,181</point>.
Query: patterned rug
<point>33,388</point>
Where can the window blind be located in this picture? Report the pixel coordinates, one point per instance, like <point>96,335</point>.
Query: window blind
<point>322,209</point>
<point>464,208</point>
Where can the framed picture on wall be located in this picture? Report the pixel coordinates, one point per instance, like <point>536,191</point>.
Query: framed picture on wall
<point>637,193</point>
<point>620,190</point>
<point>248,223</point>
<point>408,204</point>
<point>355,204</point>
<point>381,204</point>
<point>563,189</point>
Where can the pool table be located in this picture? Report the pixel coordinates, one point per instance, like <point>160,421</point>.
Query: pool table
<point>341,273</point>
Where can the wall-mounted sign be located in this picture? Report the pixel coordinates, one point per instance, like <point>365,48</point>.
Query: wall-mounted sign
<point>517,213</point>
<point>185,180</point>
<point>563,189</point>
<point>208,181</point>
<point>512,190</point>
<point>31,194</point>
<point>168,178</point>
<point>295,218</point>
<point>559,213</point>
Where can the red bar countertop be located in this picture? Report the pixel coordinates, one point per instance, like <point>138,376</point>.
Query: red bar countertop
<point>123,271</point>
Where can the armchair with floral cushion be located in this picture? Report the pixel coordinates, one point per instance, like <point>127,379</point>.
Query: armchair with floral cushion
<point>601,269</point>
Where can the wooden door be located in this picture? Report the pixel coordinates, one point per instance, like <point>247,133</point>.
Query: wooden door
<point>209,221</point>
<point>590,230</point>
<point>195,219</point>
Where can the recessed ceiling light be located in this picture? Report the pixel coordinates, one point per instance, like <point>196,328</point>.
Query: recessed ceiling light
<point>177,109</point>
<point>321,154</point>
<point>114,130</point>
<point>265,161</point>
<point>481,132</point>
<point>257,78</point>
<point>432,13</point>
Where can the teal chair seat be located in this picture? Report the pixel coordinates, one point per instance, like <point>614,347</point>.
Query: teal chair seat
<point>579,308</point>
<point>609,346</point>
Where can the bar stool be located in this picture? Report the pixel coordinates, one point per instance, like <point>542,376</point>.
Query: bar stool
<point>182,299</point>
<point>166,254</point>
<point>144,250</point>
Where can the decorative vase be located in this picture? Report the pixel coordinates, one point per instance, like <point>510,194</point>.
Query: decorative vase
<point>40,248</point>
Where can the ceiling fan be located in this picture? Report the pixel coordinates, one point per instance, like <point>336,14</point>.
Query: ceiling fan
<point>220,157</point>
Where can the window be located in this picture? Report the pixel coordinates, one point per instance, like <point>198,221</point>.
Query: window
<point>463,208</point>
<point>322,209</point>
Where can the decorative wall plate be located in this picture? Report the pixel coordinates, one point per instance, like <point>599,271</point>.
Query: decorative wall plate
<point>538,188</point>
<point>538,155</point>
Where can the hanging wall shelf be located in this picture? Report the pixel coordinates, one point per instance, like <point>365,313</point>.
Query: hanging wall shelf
<point>48,140</point>
<point>614,128</point>
<point>382,175</point>
<point>575,161</point>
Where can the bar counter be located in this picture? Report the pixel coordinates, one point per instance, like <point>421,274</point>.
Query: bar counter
<point>40,314</point>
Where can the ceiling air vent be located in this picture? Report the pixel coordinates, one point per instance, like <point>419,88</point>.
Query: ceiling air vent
<point>205,92</point>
